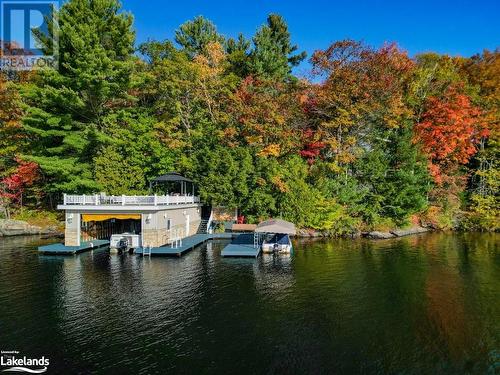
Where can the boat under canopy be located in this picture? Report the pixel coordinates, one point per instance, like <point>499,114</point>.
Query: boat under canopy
<point>277,232</point>
<point>276,226</point>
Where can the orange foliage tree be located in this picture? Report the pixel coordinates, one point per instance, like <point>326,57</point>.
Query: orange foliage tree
<point>450,131</point>
<point>267,117</point>
<point>363,89</point>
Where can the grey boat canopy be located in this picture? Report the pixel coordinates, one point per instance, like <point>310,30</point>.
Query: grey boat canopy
<point>276,226</point>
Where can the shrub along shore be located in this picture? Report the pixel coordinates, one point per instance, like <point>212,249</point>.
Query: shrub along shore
<point>372,139</point>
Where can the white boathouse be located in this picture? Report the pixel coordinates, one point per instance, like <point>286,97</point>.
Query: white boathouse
<point>172,212</point>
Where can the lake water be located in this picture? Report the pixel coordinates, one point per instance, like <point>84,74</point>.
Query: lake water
<point>426,304</point>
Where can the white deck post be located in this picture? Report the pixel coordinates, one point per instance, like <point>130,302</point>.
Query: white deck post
<point>64,198</point>
<point>83,198</point>
<point>123,200</point>
<point>155,200</point>
<point>96,197</point>
<point>78,218</point>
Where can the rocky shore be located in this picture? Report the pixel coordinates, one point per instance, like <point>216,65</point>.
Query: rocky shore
<point>377,235</point>
<point>22,228</point>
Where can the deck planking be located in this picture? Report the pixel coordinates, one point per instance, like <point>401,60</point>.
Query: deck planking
<point>188,244</point>
<point>60,248</point>
<point>241,246</point>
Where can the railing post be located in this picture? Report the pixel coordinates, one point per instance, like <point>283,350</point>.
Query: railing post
<point>123,199</point>
<point>168,198</point>
<point>83,199</point>
<point>96,199</point>
<point>155,200</point>
<point>64,198</point>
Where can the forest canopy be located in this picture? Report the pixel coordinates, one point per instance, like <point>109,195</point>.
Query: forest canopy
<point>376,138</point>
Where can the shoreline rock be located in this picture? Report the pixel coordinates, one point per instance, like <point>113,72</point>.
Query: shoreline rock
<point>22,228</point>
<point>409,231</point>
<point>376,235</point>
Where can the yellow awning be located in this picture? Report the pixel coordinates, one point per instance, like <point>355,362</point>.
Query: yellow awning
<point>102,217</point>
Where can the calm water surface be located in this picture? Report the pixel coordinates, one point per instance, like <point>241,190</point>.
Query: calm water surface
<point>419,305</point>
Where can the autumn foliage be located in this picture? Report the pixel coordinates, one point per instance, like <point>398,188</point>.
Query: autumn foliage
<point>371,138</point>
<point>14,185</point>
<point>450,131</point>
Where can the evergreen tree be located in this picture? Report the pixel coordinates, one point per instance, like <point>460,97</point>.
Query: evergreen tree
<point>272,55</point>
<point>67,110</point>
<point>238,55</point>
<point>193,36</point>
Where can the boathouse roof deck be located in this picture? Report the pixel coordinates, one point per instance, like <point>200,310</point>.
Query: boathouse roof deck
<point>120,202</point>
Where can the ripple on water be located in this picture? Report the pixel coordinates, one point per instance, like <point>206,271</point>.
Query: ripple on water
<point>423,304</point>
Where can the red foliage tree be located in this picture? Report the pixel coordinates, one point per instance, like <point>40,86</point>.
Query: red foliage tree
<point>13,186</point>
<point>312,147</point>
<point>450,130</point>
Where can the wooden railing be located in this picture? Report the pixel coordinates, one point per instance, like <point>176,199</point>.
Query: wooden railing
<point>129,200</point>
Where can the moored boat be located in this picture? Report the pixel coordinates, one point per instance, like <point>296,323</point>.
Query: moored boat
<point>277,243</point>
<point>124,241</point>
<point>278,234</point>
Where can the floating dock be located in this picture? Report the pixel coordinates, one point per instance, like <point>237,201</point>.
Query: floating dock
<point>188,244</point>
<point>59,248</point>
<point>242,246</point>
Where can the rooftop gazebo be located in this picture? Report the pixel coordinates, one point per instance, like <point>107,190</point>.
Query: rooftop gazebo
<point>172,182</point>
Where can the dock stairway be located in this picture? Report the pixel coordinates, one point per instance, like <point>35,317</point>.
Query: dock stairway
<point>203,228</point>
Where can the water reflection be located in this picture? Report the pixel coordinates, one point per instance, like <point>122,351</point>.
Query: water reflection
<point>423,304</point>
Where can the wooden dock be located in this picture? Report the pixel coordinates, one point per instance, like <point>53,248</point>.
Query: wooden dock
<point>59,248</point>
<point>241,246</point>
<point>188,244</point>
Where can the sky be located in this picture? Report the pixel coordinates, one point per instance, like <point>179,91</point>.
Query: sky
<point>453,27</point>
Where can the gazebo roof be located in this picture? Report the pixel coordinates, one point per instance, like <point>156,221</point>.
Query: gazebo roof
<point>171,176</point>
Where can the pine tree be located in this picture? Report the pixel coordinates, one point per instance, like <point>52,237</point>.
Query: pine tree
<point>272,55</point>
<point>193,36</point>
<point>67,110</point>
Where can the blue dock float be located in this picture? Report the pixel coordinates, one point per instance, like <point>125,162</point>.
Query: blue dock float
<point>188,243</point>
<point>59,248</point>
<point>241,246</point>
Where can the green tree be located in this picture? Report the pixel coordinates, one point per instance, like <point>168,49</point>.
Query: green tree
<point>272,54</point>
<point>193,36</point>
<point>67,110</point>
<point>396,175</point>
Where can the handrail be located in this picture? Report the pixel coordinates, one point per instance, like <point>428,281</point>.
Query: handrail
<point>128,200</point>
<point>209,222</point>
